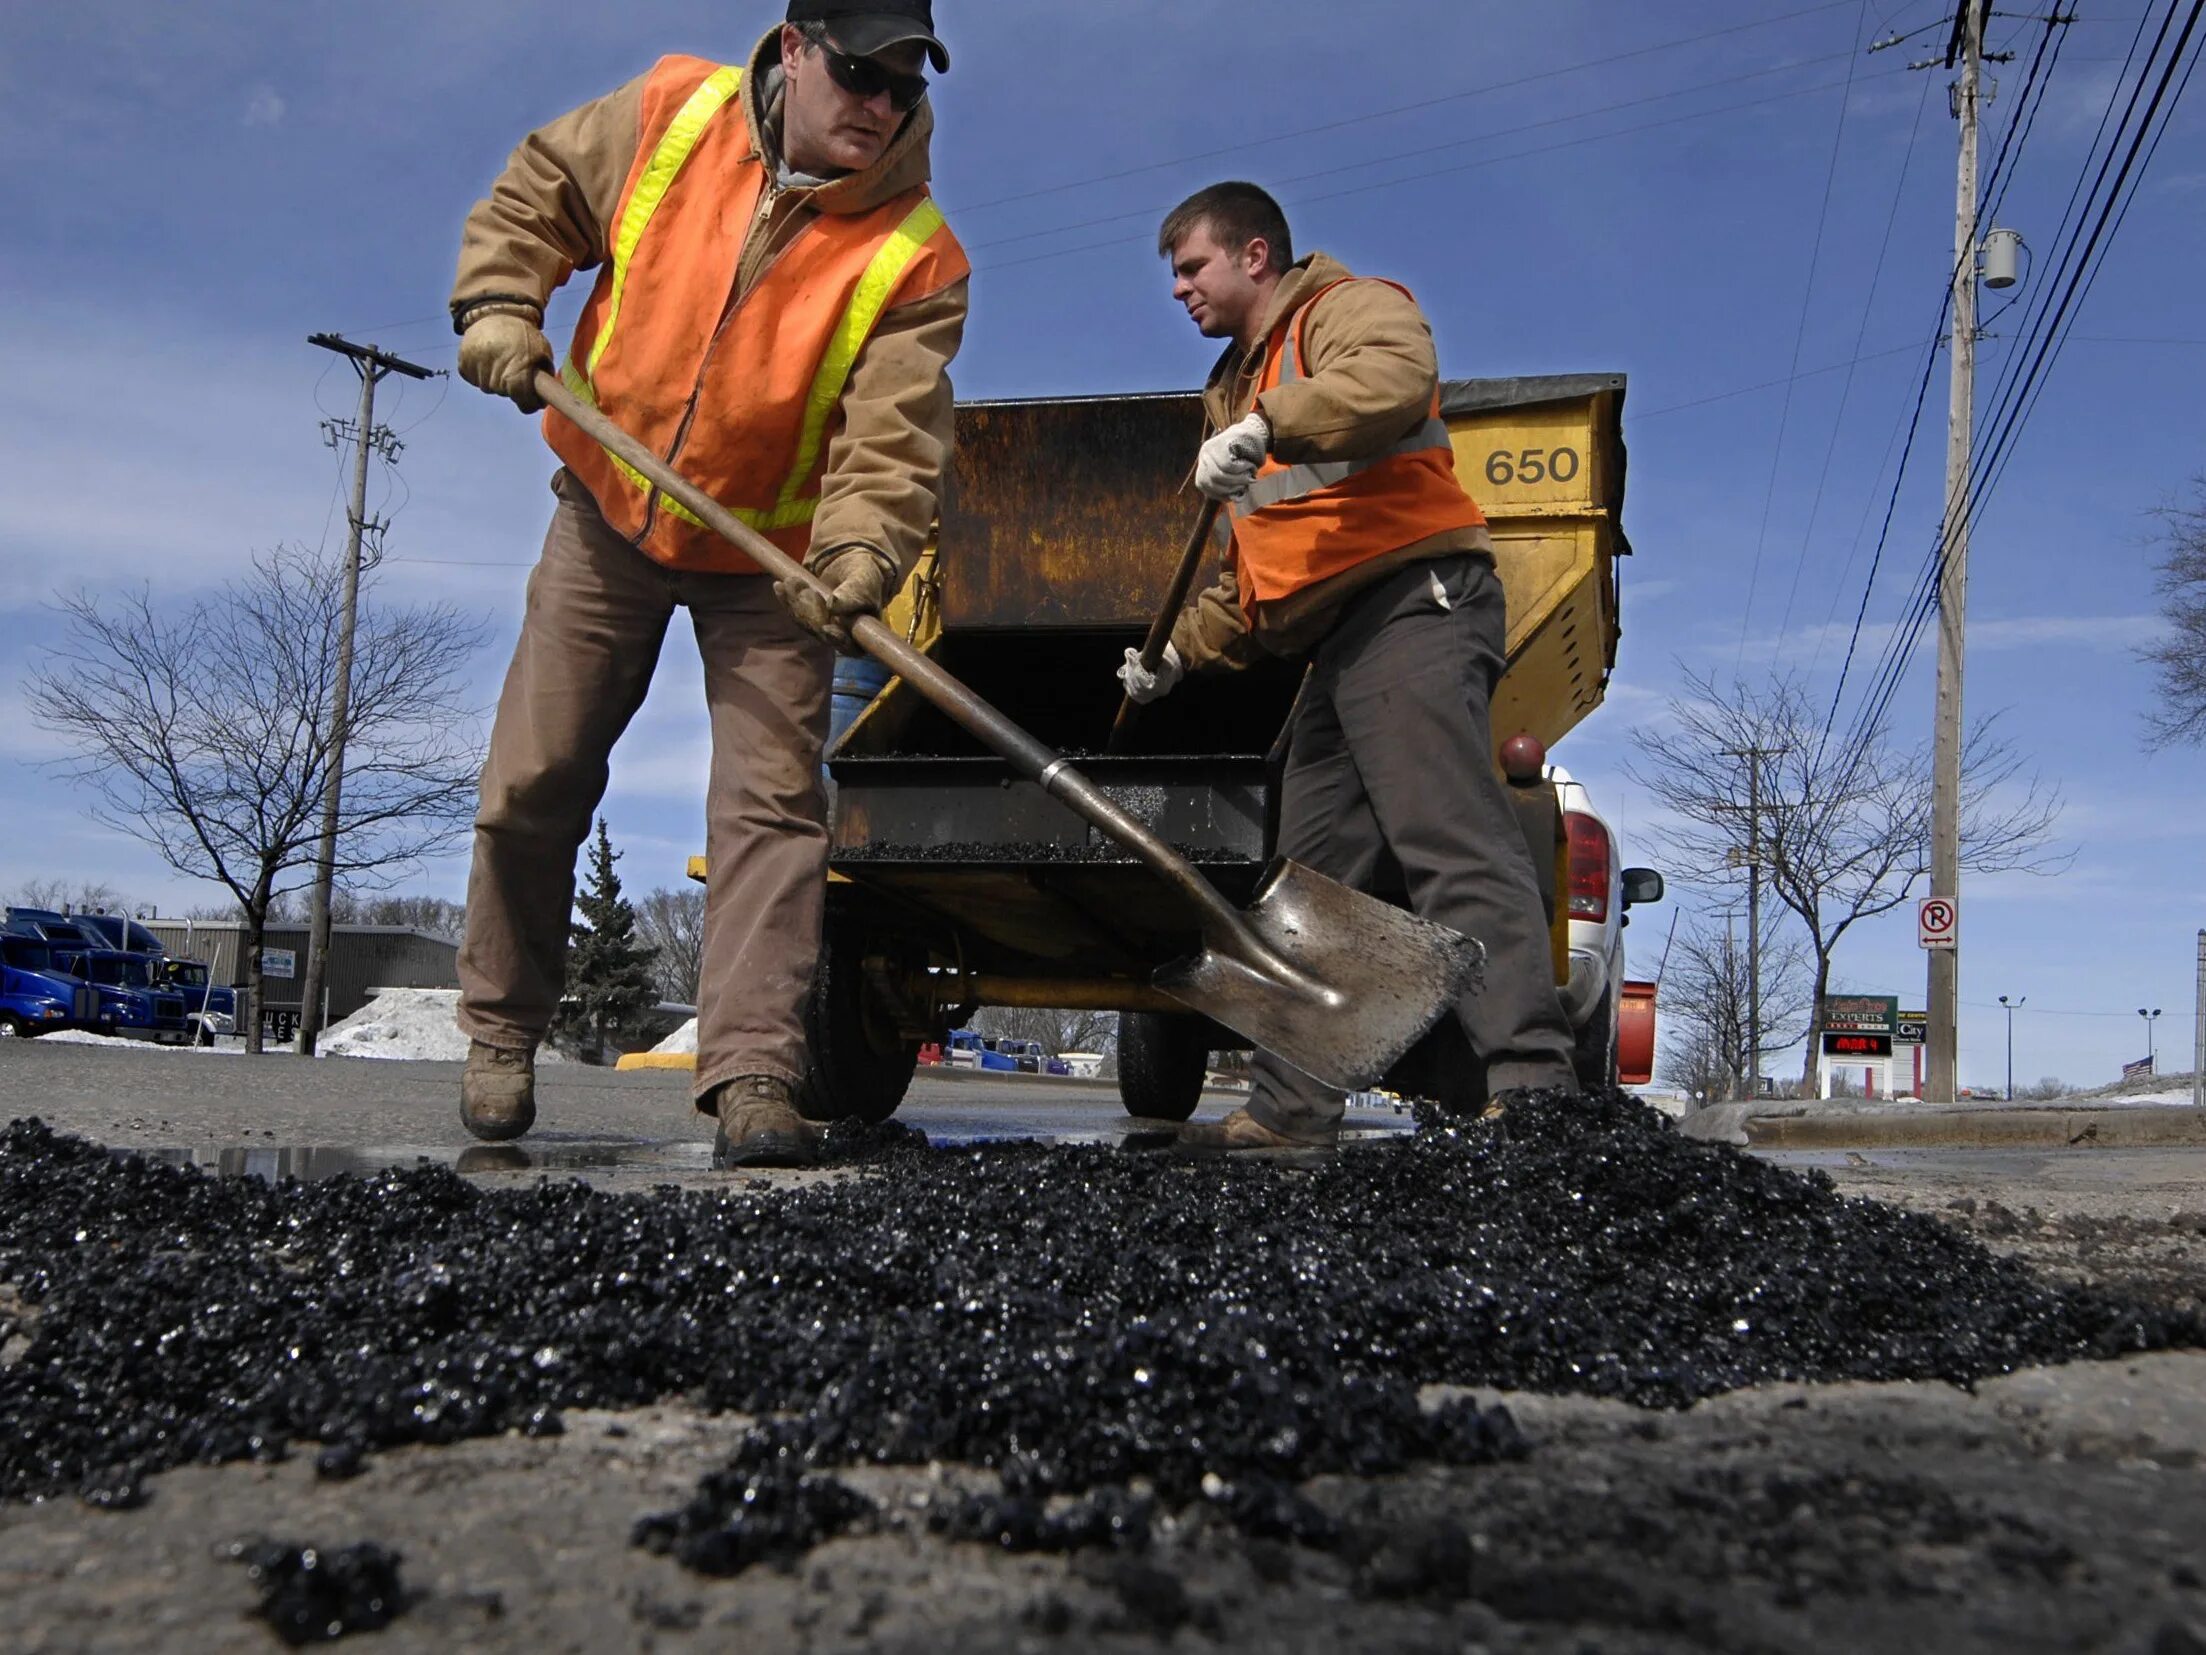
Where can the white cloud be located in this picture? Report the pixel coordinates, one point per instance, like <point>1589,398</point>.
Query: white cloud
<point>264,107</point>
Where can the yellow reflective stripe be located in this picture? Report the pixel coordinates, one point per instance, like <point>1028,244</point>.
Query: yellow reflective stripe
<point>658,177</point>
<point>788,515</point>
<point>866,304</point>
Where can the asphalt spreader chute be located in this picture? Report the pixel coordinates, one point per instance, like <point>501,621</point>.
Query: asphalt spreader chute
<point>1338,983</point>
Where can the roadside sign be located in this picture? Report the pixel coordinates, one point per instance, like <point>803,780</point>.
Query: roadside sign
<point>1861,1014</point>
<point>1937,921</point>
<point>1913,1029</point>
<point>1856,1045</point>
<point>279,962</point>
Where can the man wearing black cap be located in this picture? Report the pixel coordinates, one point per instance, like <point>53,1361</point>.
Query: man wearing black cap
<point>777,304</point>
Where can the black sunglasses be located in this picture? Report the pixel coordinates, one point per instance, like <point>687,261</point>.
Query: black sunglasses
<point>862,77</point>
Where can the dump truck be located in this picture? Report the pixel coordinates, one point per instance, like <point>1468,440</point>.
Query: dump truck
<point>955,884</point>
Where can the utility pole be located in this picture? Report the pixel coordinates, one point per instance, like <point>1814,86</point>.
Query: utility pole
<point>371,365</point>
<point>1752,757</point>
<point>2012,1007</point>
<point>1953,584</point>
<point>2198,1032</point>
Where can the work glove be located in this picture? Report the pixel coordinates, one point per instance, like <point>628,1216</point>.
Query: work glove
<point>857,578</point>
<point>1145,686</point>
<point>1229,460</point>
<point>500,353</point>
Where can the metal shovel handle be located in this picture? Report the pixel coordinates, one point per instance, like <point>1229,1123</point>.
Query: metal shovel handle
<point>1034,760</point>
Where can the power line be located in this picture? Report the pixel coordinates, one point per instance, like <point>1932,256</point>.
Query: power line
<point>1800,332</point>
<point>1467,166</point>
<point>1994,458</point>
<point>1152,214</point>
<point>1846,391</point>
<point>1399,109</point>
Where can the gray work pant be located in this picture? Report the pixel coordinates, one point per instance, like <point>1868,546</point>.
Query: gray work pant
<point>1391,751</point>
<point>598,611</point>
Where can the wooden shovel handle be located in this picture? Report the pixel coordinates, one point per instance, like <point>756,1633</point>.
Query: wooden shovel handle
<point>1160,630</point>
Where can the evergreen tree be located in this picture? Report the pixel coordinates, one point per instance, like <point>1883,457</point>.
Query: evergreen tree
<point>609,975</point>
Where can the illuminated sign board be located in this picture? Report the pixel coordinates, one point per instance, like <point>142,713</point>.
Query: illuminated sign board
<point>1856,1045</point>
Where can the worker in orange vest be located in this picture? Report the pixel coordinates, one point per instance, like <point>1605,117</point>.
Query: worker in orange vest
<point>1355,547</point>
<point>776,307</point>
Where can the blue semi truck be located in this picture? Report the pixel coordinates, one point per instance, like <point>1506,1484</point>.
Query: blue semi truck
<point>37,996</point>
<point>128,986</point>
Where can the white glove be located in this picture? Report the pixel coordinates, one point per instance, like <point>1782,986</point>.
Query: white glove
<point>1229,460</point>
<point>1145,686</point>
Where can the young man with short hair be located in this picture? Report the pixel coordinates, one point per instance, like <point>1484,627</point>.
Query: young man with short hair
<point>1355,547</point>
<point>777,305</point>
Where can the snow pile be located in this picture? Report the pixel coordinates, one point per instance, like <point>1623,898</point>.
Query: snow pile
<point>85,1037</point>
<point>417,1023</point>
<point>683,1039</point>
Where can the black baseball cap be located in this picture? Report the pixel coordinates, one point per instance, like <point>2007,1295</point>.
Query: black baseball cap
<point>864,27</point>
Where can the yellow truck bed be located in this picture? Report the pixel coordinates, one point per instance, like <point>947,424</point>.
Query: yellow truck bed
<point>1066,515</point>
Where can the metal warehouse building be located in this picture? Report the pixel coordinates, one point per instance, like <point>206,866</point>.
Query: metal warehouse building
<point>361,957</point>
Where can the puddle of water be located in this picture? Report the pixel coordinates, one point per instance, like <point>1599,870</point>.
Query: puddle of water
<point>314,1162</point>
<point>683,1157</point>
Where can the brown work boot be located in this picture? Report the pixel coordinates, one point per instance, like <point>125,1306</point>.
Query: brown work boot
<point>498,1091</point>
<point>1242,1130</point>
<point>760,1126</point>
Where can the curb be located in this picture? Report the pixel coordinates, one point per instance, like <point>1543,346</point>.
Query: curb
<point>657,1060</point>
<point>1984,1129</point>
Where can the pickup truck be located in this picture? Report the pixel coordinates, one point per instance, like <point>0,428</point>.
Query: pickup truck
<point>1612,1015</point>
<point>38,997</point>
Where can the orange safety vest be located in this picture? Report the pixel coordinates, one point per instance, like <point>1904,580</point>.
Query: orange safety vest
<point>1300,524</point>
<point>742,396</point>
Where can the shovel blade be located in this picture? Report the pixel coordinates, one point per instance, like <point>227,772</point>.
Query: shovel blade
<point>1366,978</point>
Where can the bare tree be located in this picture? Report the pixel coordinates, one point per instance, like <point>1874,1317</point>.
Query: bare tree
<point>84,896</point>
<point>1693,1064</point>
<point>1054,1031</point>
<point>1705,992</point>
<point>672,922</point>
<point>206,733</point>
<point>2180,654</point>
<point>1844,824</point>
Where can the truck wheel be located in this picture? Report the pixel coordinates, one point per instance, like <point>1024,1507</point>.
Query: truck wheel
<point>13,1027</point>
<point>860,1066</point>
<point>1163,1059</point>
<point>1595,1056</point>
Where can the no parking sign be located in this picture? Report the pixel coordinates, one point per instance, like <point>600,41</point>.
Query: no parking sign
<point>1937,921</point>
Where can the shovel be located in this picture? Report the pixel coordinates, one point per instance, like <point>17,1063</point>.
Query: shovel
<point>1160,630</point>
<point>1337,983</point>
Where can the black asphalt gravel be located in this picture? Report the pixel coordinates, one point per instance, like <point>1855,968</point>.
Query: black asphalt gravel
<point>1092,1322</point>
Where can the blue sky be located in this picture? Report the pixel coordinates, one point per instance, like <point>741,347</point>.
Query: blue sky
<point>191,190</point>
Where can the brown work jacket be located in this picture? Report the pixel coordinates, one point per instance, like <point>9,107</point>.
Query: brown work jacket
<point>1369,376</point>
<point>547,216</point>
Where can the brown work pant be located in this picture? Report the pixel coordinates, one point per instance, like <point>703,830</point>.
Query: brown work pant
<point>597,613</point>
<point>1391,753</point>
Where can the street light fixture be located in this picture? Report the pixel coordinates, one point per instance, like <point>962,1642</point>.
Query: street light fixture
<point>2151,1068</point>
<point>2012,1006</point>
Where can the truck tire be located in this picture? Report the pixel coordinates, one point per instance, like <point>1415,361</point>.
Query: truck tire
<point>860,1067</point>
<point>1163,1059</point>
<point>13,1027</point>
<point>1595,1055</point>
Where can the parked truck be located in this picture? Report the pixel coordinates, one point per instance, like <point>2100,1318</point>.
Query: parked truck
<point>38,997</point>
<point>955,884</point>
<point>132,1003</point>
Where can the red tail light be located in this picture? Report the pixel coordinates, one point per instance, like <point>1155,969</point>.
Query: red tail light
<point>1589,867</point>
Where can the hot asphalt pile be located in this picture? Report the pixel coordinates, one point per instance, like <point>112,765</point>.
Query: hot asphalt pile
<point>311,1596</point>
<point>1122,1328</point>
